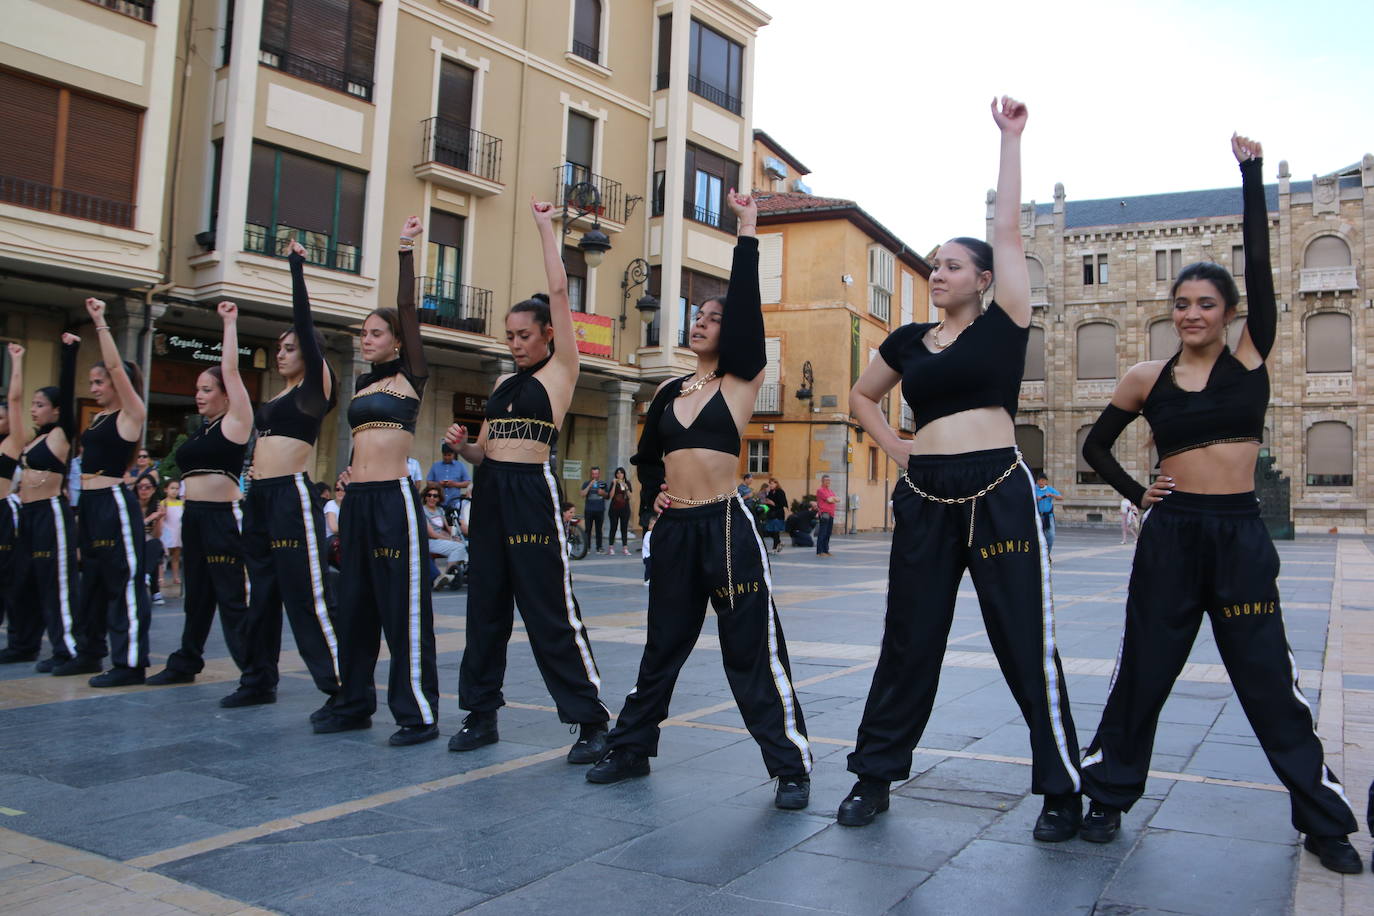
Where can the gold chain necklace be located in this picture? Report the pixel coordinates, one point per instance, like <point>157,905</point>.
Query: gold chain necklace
<point>935,335</point>
<point>698,384</point>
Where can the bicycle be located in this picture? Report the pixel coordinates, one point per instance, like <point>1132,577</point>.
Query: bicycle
<point>578,541</point>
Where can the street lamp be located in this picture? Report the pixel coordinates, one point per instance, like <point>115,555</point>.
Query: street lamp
<point>635,275</point>
<point>579,199</point>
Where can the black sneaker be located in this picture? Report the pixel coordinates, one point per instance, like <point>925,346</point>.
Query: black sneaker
<point>407,735</point>
<point>479,730</point>
<point>616,764</point>
<point>324,712</point>
<point>14,656</point>
<point>590,745</point>
<point>335,723</point>
<point>1335,852</point>
<point>1059,819</point>
<point>170,676</point>
<point>1101,823</point>
<point>794,793</point>
<point>865,801</point>
<point>46,665</point>
<point>77,665</point>
<point>248,696</point>
<point>118,677</point>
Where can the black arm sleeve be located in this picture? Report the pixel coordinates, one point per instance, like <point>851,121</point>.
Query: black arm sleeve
<point>66,385</point>
<point>648,460</point>
<point>1262,316</point>
<point>413,361</point>
<point>312,398</point>
<point>1097,451</point>
<point>742,352</point>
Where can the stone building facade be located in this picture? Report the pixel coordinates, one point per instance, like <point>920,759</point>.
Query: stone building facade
<point>1101,272</point>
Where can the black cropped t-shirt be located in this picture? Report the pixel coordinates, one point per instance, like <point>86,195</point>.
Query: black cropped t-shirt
<point>209,451</point>
<point>981,368</point>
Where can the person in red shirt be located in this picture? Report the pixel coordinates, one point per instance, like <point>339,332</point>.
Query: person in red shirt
<point>826,501</point>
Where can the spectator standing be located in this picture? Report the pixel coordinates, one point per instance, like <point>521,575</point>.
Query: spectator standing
<point>644,549</point>
<point>331,511</point>
<point>1045,495</point>
<point>595,491</point>
<point>453,479</point>
<point>826,501</point>
<point>1129,513</point>
<point>620,511</point>
<point>172,506</point>
<point>143,464</point>
<point>746,487</point>
<point>150,507</point>
<point>74,480</point>
<point>415,472</point>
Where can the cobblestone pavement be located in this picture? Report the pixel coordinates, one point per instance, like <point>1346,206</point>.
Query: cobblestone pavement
<point>156,800</point>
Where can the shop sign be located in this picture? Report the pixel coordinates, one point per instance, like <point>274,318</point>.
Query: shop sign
<point>572,470</point>
<point>175,345</point>
<point>469,405</point>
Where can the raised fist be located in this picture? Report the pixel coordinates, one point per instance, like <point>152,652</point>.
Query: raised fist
<point>68,338</point>
<point>96,309</point>
<point>1009,114</point>
<point>16,351</point>
<point>413,227</point>
<point>296,248</point>
<point>228,311</point>
<point>1245,148</point>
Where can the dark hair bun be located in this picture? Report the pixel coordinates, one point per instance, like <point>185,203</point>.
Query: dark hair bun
<point>542,297</point>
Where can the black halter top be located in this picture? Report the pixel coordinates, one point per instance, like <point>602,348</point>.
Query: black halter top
<point>519,408</point>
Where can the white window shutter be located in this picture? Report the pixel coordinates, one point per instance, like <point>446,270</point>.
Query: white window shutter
<point>772,348</point>
<point>770,267</point>
<point>908,297</point>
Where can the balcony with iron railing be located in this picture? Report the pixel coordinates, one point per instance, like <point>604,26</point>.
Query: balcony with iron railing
<point>610,194</point>
<point>457,156</point>
<point>586,51</point>
<point>448,304</point>
<point>717,218</point>
<point>320,249</point>
<point>36,196</point>
<point>313,71</point>
<point>714,94</point>
<point>139,9</point>
<point>769,399</point>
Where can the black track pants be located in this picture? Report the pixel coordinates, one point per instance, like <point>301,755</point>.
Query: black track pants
<point>1210,556</point>
<point>285,546</point>
<point>114,592</point>
<point>1009,564</point>
<point>518,556</point>
<point>213,569</point>
<point>45,595</point>
<point>9,530</point>
<point>383,589</point>
<point>689,569</point>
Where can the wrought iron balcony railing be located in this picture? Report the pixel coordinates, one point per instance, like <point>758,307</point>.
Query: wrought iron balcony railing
<point>315,72</point>
<point>714,94</point>
<point>139,9</point>
<point>569,175</point>
<point>769,398</point>
<point>36,196</point>
<point>449,304</point>
<point>586,51</point>
<point>455,144</point>
<point>718,217</point>
<point>320,249</point>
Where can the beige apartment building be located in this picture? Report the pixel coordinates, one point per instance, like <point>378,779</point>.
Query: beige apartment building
<point>1101,272</point>
<point>184,143</point>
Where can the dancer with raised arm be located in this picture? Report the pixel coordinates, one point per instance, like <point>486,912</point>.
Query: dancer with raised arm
<point>284,534</point>
<point>382,585</point>
<point>517,550</point>
<point>1203,549</point>
<point>706,544</point>
<point>211,462</point>
<point>10,447</point>
<point>43,589</point>
<point>965,501</point>
<point>114,591</point>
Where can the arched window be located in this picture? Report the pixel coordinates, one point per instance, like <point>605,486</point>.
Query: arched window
<point>1328,342</point>
<point>1036,270</point>
<point>587,29</point>
<point>1031,441</point>
<point>1097,351</point>
<point>1327,251</point>
<point>1330,454</point>
<point>1086,474</point>
<point>1163,339</point>
<point>1035,355</point>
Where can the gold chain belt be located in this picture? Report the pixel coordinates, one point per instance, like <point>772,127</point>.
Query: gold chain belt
<point>729,544</point>
<point>960,500</point>
<point>377,424</point>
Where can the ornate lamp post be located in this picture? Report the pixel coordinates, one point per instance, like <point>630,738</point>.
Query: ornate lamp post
<point>637,274</point>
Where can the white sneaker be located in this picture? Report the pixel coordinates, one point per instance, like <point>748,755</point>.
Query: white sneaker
<point>158,599</point>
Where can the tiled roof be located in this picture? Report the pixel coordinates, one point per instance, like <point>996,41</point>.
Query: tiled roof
<point>802,207</point>
<point>1179,205</point>
<point>796,202</point>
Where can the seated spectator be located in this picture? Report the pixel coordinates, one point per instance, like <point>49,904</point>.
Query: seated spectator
<point>801,523</point>
<point>442,541</point>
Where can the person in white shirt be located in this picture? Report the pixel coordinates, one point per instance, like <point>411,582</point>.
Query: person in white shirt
<point>1128,517</point>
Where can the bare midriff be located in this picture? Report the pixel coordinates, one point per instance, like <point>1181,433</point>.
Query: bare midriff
<point>210,488</point>
<point>1226,467</point>
<point>521,451</point>
<point>380,454</point>
<point>966,431</point>
<point>280,456</point>
<point>40,485</point>
<point>99,481</point>
<point>700,473</point>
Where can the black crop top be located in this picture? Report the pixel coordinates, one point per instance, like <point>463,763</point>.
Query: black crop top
<point>713,428</point>
<point>1231,406</point>
<point>982,367</point>
<point>385,408</point>
<point>519,408</point>
<point>7,466</point>
<point>742,354</point>
<point>297,413</point>
<point>38,456</point>
<point>208,451</point>
<point>103,450</point>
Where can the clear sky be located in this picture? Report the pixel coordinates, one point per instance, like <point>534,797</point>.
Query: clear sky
<point>887,100</point>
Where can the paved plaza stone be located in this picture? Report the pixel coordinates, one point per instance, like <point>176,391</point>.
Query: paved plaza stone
<point>155,800</point>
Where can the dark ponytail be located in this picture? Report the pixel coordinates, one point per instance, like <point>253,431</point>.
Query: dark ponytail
<point>979,249</point>
<point>131,369</point>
